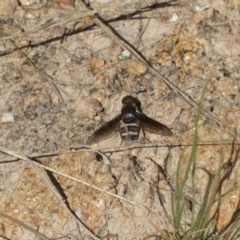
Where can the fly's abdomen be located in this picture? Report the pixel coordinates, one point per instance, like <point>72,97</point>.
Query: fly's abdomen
<point>129,131</point>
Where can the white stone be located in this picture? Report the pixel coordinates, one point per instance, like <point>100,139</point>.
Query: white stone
<point>7,117</point>
<point>126,54</point>
<point>174,18</point>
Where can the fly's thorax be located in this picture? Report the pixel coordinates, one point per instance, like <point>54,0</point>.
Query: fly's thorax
<point>128,111</point>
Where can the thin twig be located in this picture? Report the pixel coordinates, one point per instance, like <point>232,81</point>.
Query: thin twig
<point>101,151</point>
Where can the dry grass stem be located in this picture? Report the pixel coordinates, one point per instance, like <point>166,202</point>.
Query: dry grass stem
<point>49,186</point>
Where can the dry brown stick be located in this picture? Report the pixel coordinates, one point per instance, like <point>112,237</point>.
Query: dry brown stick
<point>124,44</point>
<point>49,186</point>
<point>63,20</point>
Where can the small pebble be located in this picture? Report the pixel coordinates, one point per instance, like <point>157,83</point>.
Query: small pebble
<point>32,14</point>
<point>7,117</point>
<point>126,54</point>
<point>174,18</point>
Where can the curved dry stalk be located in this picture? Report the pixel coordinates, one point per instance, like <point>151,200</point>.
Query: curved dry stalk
<point>49,186</point>
<point>21,156</point>
<point>22,224</point>
<point>35,166</point>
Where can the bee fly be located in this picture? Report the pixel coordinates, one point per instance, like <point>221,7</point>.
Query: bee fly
<point>128,123</point>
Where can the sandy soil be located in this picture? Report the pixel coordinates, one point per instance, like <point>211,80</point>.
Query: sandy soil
<point>64,72</point>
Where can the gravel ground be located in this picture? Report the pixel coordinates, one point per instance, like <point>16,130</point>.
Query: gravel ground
<point>63,74</point>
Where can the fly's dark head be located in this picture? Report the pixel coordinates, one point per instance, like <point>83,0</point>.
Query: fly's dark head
<point>131,101</point>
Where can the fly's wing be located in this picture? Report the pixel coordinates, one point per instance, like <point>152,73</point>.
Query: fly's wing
<point>150,125</point>
<point>106,131</point>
